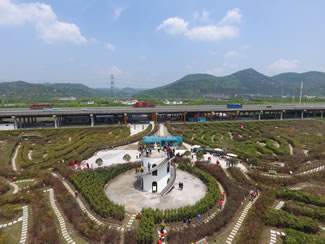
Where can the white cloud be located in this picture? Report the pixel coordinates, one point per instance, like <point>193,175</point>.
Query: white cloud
<point>212,32</point>
<point>232,16</point>
<point>231,54</point>
<point>118,12</point>
<point>143,58</point>
<point>283,65</point>
<point>204,16</point>
<point>222,30</point>
<point>110,47</point>
<point>115,70</point>
<point>173,25</point>
<point>44,19</point>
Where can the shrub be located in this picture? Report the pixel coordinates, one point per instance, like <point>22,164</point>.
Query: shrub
<point>297,237</point>
<point>282,219</point>
<point>99,162</point>
<point>91,185</point>
<point>127,158</point>
<point>300,197</point>
<point>146,231</point>
<point>303,210</point>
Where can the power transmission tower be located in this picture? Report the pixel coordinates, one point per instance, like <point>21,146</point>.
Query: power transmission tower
<point>301,87</point>
<point>113,85</point>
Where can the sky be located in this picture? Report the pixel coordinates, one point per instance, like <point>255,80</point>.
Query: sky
<point>147,43</point>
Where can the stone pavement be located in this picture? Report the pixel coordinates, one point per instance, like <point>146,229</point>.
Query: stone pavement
<point>24,229</point>
<point>11,223</point>
<point>63,227</point>
<point>274,234</point>
<point>279,205</point>
<point>240,221</point>
<point>16,188</point>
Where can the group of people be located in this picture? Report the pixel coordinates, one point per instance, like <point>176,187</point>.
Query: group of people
<point>254,194</point>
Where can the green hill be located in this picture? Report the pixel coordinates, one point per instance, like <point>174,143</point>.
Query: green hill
<point>20,90</point>
<point>247,81</point>
<point>314,82</point>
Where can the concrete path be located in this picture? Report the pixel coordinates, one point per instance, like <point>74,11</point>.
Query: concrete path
<point>11,223</point>
<point>24,230</point>
<point>13,161</point>
<point>315,170</point>
<point>233,233</point>
<point>81,205</point>
<point>274,234</point>
<point>279,205</point>
<point>135,129</point>
<point>16,188</point>
<point>63,227</point>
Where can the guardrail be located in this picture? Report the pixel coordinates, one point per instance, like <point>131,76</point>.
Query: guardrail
<point>171,182</point>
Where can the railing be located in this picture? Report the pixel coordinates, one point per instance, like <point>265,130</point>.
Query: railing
<point>165,160</point>
<point>171,182</point>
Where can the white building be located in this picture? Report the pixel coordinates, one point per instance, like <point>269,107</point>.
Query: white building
<point>173,102</point>
<point>161,176</point>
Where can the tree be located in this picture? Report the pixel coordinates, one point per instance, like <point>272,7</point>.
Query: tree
<point>99,162</point>
<point>254,161</point>
<point>127,157</point>
<point>187,153</point>
<point>233,162</point>
<point>199,156</point>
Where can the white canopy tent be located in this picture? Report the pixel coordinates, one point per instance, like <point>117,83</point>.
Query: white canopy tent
<point>232,155</point>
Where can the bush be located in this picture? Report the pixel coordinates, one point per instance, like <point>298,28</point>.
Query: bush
<point>303,210</point>
<point>282,219</point>
<point>235,195</point>
<point>91,185</point>
<point>146,231</point>
<point>300,197</point>
<point>297,237</point>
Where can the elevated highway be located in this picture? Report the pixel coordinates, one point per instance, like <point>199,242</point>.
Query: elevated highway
<point>212,112</point>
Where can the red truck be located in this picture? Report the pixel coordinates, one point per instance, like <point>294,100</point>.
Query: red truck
<point>39,106</point>
<point>144,105</point>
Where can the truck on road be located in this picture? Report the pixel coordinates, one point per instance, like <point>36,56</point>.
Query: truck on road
<point>234,105</point>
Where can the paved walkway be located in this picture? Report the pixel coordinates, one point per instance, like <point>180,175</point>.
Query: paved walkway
<point>11,223</point>
<point>63,227</point>
<point>315,170</point>
<point>233,233</point>
<point>24,229</point>
<point>274,234</point>
<point>279,205</point>
<point>16,188</point>
<point>13,161</point>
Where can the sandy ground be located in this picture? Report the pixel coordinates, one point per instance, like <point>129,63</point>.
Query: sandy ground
<point>125,190</point>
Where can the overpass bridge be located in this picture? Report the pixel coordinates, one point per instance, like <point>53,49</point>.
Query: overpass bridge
<point>22,117</point>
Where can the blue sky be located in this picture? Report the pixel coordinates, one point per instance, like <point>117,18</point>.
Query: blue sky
<point>147,43</point>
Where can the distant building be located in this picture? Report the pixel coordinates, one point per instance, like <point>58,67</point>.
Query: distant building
<point>127,102</point>
<point>67,99</point>
<point>90,102</point>
<point>173,102</point>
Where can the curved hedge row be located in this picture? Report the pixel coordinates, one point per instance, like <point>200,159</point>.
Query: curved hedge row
<point>303,210</point>
<point>299,197</point>
<point>91,185</point>
<point>282,219</point>
<point>297,237</point>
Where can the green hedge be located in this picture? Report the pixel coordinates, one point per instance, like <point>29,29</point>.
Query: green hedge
<point>282,219</point>
<point>297,237</point>
<point>303,210</point>
<point>146,231</point>
<point>300,197</point>
<point>91,185</point>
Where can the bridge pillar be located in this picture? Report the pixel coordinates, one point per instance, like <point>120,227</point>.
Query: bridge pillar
<point>302,114</point>
<point>184,117</point>
<point>92,120</point>
<point>15,122</point>
<point>259,116</point>
<point>281,115</point>
<point>321,114</point>
<point>28,120</point>
<point>125,118</point>
<point>55,121</point>
<point>20,123</point>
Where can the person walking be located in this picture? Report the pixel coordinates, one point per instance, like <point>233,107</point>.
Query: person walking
<point>220,204</point>
<point>198,218</point>
<point>142,168</point>
<point>223,195</point>
<point>149,166</point>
